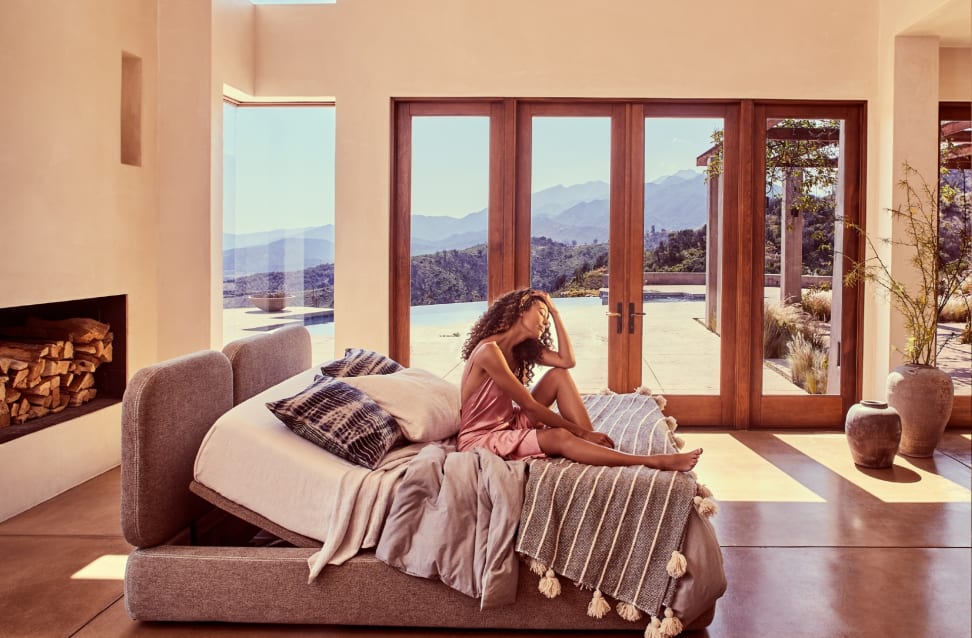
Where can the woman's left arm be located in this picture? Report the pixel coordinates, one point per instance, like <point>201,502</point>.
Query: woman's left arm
<point>563,357</point>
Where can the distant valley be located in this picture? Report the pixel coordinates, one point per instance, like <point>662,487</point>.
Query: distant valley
<point>577,213</point>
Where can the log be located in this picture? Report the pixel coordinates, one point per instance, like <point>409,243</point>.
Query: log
<point>19,379</point>
<point>37,411</point>
<point>77,329</point>
<point>86,362</point>
<point>42,389</point>
<point>23,351</point>
<point>37,400</point>
<point>81,382</point>
<point>107,354</point>
<point>4,415</point>
<point>12,395</point>
<point>6,365</point>
<point>52,367</point>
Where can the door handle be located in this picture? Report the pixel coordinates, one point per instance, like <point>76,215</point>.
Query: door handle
<point>631,315</point>
<point>616,315</point>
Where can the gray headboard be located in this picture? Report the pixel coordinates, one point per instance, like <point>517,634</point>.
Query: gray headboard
<point>166,411</point>
<point>267,359</point>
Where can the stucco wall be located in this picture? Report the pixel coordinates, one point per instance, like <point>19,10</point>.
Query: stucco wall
<point>76,222</point>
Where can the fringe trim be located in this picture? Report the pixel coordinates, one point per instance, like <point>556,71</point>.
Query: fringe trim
<point>671,626</point>
<point>677,564</point>
<point>660,400</point>
<point>598,607</point>
<point>549,585</point>
<point>705,506</point>
<point>653,630</point>
<point>537,567</point>
<point>628,612</point>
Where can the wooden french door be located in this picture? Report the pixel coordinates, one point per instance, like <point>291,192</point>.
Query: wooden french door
<point>621,336</point>
<point>807,197</point>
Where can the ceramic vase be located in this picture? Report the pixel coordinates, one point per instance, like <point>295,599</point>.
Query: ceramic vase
<point>923,397</point>
<point>873,431</point>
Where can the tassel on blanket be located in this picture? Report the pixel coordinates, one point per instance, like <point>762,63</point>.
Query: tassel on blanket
<point>706,506</point>
<point>660,400</point>
<point>672,423</point>
<point>549,585</point>
<point>677,564</point>
<point>703,490</point>
<point>653,630</point>
<point>643,389</point>
<point>671,626</point>
<point>598,607</point>
<point>537,567</point>
<point>629,612</point>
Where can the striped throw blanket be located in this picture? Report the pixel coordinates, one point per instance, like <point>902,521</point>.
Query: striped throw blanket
<point>614,530</point>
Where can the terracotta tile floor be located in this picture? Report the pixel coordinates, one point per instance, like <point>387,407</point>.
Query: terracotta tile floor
<point>813,546</point>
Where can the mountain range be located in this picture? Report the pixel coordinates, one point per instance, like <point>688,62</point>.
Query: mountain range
<point>577,213</point>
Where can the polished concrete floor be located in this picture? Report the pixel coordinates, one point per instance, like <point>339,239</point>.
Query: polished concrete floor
<point>813,546</point>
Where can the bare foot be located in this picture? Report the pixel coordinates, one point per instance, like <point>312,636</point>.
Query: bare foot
<point>683,462</point>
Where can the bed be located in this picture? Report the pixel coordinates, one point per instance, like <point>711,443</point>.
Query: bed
<point>206,554</point>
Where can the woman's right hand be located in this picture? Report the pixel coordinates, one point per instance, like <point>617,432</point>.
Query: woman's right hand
<point>598,438</point>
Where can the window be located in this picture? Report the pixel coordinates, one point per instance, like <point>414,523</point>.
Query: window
<point>278,221</point>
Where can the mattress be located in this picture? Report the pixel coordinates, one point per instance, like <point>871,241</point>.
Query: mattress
<point>251,458</point>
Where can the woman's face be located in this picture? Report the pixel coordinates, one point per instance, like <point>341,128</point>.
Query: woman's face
<point>536,318</point>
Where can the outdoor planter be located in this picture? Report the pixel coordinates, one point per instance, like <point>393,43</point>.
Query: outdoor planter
<point>270,303</point>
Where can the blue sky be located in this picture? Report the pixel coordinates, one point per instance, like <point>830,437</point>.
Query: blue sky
<point>284,161</point>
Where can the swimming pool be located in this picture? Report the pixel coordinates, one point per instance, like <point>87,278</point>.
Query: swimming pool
<point>461,315</point>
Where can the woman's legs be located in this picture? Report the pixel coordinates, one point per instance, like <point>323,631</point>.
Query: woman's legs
<point>560,442</point>
<point>556,385</point>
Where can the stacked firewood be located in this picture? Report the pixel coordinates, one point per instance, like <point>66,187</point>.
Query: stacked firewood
<point>46,366</point>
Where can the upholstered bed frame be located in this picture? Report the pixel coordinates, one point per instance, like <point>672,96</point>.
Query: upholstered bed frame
<point>196,562</point>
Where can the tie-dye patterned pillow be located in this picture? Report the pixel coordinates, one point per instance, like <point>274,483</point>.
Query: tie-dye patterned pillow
<point>341,419</point>
<point>359,362</point>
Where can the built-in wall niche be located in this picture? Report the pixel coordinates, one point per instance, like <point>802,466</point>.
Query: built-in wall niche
<point>88,360</point>
<point>131,109</point>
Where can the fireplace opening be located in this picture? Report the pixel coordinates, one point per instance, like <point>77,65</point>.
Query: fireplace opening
<point>58,361</point>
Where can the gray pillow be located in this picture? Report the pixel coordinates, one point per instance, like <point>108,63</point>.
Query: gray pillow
<point>341,419</point>
<point>359,362</point>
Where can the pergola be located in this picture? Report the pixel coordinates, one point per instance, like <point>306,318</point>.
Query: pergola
<point>956,140</point>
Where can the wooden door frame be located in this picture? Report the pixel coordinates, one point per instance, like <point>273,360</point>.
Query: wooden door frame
<point>740,403</point>
<point>783,411</point>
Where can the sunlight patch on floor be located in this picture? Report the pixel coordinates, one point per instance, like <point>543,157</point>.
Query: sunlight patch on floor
<point>734,472</point>
<point>904,482</point>
<point>105,567</point>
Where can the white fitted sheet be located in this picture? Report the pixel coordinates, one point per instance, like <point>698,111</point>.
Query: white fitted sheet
<point>250,457</point>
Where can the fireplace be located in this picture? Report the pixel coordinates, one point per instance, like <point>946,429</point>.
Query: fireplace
<point>109,376</point>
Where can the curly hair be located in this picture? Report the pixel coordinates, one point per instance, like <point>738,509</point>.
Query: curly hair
<point>499,317</point>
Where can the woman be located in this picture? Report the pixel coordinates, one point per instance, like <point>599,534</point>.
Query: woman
<point>500,414</point>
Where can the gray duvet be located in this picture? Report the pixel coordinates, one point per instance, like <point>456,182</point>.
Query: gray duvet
<point>454,518</point>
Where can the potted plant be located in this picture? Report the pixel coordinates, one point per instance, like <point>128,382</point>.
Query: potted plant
<point>920,392</point>
<point>270,301</point>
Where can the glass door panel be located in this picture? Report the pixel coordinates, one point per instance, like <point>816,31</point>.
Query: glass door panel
<point>955,234</point>
<point>803,230</point>
<point>570,211</point>
<point>681,296</point>
<point>449,228</point>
